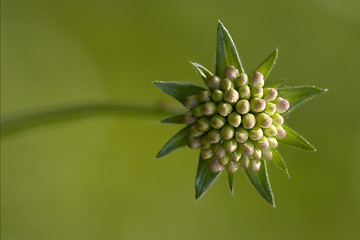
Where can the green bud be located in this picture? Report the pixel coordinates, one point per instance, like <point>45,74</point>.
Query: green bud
<point>257,91</point>
<point>282,105</point>
<point>235,156</point>
<point>230,145</point>
<point>270,108</point>
<point>194,132</point>
<point>232,168</point>
<point>247,148</point>
<point>256,79</point>
<point>277,119</point>
<point>203,124</point>
<point>226,84</point>
<point>231,72</point>
<point>227,132</point>
<point>215,166</point>
<point>255,166</point>
<point>206,153</point>
<point>205,142</point>
<point>194,143</point>
<point>263,120</point>
<point>231,96</point>
<point>209,108</point>
<point>217,121</point>
<point>243,106</point>
<point>281,132</point>
<point>272,142</point>
<point>214,136</point>
<point>191,102</point>
<point>248,121</point>
<point>224,109</point>
<point>257,154</point>
<point>204,96</point>
<point>197,111</point>
<point>217,95</point>
<point>214,82</point>
<point>188,118</point>
<point>270,94</point>
<point>224,160</point>
<point>255,133</point>
<point>267,155</point>
<point>244,92</point>
<point>218,150</point>
<point>241,135</point>
<point>271,131</point>
<point>241,80</point>
<point>244,161</point>
<point>234,119</point>
<point>263,143</point>
<point>257,105</point>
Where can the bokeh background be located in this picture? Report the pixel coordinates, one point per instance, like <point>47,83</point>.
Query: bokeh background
<point>97,177</point>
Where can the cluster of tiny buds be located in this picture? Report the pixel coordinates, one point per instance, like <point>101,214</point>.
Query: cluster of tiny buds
<point>236,122</point>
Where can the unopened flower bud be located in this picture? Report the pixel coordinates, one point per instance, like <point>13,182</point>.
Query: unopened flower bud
<point>244,92</point>
<point>203,124</point>
<point>231,96</point>
<point>247,148</point>
<point>282,105</point>
<point>209,108</point>
<point>270,108</point>
<point>244,161</point>
<point>232,168</point>
<point>191,102</point>
<point>224,160</point>
<point>214,136</point>
<point>270,94</point>
<point>217,95</point>
<point>227,132</point>
<point>226,84</point>
<point>218,150</point>
<point>271,131</point>
<point>241,135</point>
<point>194,143</point>
<point>257,105</point>
<point>234,119</point>
<point>257,154</point>
<point>231,72</point>
<point>243,106</point>
<point>272,142</point>
<point>214,82</point>
<point>241,80</point>
<point>277,119</point>
<point>204,96</point>
<point>215,166</point>
<point>206,153</point>
<point>255,133</point>
<point>255,166</point>
<point>217,121</point>
<point>263,120</point>
<point>188,118</point>
<point>256,79</point>
<point>205,142</point>
<point>281,132</point>
<point>194,132</point>
<point>224,109</point>
<point>235,156</point>
<point>197,111</point>
<point>230,145</point>
<point>267,155</point>
<point>257,91</point>
<point>248,121</point>
<point>263,143</point>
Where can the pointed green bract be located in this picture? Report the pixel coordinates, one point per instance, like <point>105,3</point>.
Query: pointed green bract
<point>178,140</point>
<point>299,95</point>
<point>204,73</point>
<point>260,181</point>
<point>231,181</point>
<point>293,139</point>
<point>174,119</point>
<point>265,67</point>
<point>226,53</point>
<point>204,178</point>
<point>179,91</point>
<point>279,161</point>
<point>275,84</point>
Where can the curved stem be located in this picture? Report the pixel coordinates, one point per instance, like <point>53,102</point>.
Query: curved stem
<point>65,113</point>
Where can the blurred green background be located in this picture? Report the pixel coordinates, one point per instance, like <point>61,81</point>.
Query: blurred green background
<point>97,178</point>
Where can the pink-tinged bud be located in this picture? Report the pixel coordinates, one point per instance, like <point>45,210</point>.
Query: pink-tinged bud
<point>270,94</point>
<point>271,131</point>
<point>277,119</point>
<point>231,72</point>
<point>257,154</point>
<point>204,96</point>
<point>235,156</point>
<point>263,143</point>
<point>270,108</point>
<point>209,108</point>
<point>205,142</point>
<point>191,102</point>
<point>226,84</point>
<point>224,160</point>
<point>272,142</point>
<point>256,79</point>
<point>217,95</point>
<point>257,105</point>
<point>214,82</point>
<point>234,119</point>
<point>248,121</point>
<point>263,120</point>
<point>244,161</point>
<point>197,111</point>
<point>255,133</point>
<point>257,91</point>
<point>281,132</point>
<point>230,145</point>
<point>241,80</point>
<point>215,166</point>
<point>214,136</point>
<point>194,132</point>
<point>188,118</point>
<point>231,96</point>
<point>203,124</point>
<point>217,121</point>
<point>218,150</point>
<point>282,105</point>
<point>244,92</point>
<point>194,143</point>
<point>232,168</point>
<point>267,155</point>
<point>224,109</point>
<point>241,135</point>
<point>206,153</point>
<point>255,166</point>
<point>227,132</point>
<point>247,148</point>
<point>243,106</point>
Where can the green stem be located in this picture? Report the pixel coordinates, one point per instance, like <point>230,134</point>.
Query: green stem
<point>24,122</point>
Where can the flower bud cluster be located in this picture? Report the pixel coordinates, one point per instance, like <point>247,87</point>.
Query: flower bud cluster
<point>236,122</point>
